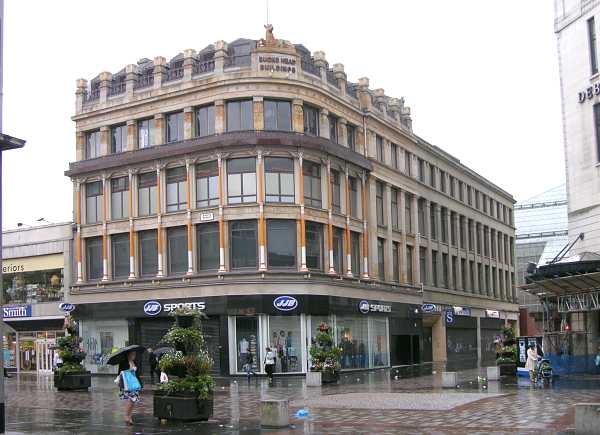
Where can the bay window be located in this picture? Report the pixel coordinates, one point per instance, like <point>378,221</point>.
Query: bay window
<point>207,184</point>
<point>278,115</point>
<point>243,244</point>
<point>312,183</point>
<point>119,197</point>
<point>241,180</point>
<point>239,115</point>
<point>176,185</point>
<point>147,204</point>
<point>279,179</point>
<point>94,199</point>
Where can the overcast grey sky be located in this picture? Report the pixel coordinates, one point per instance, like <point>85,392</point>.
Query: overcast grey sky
<point>481,77</point>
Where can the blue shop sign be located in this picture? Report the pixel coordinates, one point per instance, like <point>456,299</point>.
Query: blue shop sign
<point>449,317</point>
<point>430,308</point>
<point>66,307</point>
<point>18,311</point>
<point>285,303</point>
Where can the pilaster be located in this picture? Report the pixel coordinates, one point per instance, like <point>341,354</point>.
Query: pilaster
<point>259,115</point>
<point>189,56</point>
<point>160,71</point>
<point>188,122</point>
<point>297,116</point>
<point>219,116</point>
<point>105,85</point>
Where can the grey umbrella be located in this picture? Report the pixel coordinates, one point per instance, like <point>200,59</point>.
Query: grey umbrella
<point>121,354</point>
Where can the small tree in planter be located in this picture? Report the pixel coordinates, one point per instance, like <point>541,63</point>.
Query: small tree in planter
<point>188,395</point>
<point>507,361</point>
<point>70,374</point>
<point>325,357</point>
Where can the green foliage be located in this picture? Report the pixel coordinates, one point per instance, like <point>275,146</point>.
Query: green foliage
<point>69,368</point>
<point>186,311</point>
<point>198,364</point>
<point>172,363</point>
<point>70,351</point>
<point>324,356</point>
<point>324,338</point>
<point>508,333</point>
<point>504,360</point>
<point>202,386</point>
<point>188,340</point>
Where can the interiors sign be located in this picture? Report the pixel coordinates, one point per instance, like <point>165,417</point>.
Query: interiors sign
<point>20,311</point>
<point>276,63</point>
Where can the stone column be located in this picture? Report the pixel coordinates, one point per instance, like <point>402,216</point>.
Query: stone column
<point>80,94</point>
<point>380,100</point>
<point>131,78</point>
<point>78,234</point>
<point>394,110</point>
<point>105,195</point>
<point>221,215</point>
<point>460,280</point>
<point>80,146</point>
<point>490,291</point>
<point>131,229</point>
<point>159,272</point>
<point>343,132</point>
<point>188,122</point>
<point>330,219</point>
<point>388,251</point>
<point>340,77</point>
<point>188,194</point>
<point>364,98</point>
<point>297,116</point>
<point>348,237</point>
<point>160,71</point>
<point>321,61</point>
<point>219,116</point>
<point>438,335</point>
<point>104,141</point>
<point>303,267</point>
<point>451,278</point>
<point>428,263</point>
<point>220,54</point>
<point>105,86</point>
<point>403,229</point>
<point>324,123</point>
<point>189,57</point>
<point>131,135</point>
<point>259,116</point>
<point>365,214</point>
<point>360,141</point>
<point>159,129</point>
<point>262,255</point>
<point>416,254</point>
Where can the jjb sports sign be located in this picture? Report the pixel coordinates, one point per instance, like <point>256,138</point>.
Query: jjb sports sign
<point>154,308</point>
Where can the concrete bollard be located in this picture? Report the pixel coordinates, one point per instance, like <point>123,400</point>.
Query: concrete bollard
<point>493,387</point>
<point>493,373</point>
<point>313,379</point>
<point>587,418</point>
<point>449,379</point>
<point>274,413</point>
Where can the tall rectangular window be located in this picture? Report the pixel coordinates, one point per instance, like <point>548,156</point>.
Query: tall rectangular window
<point>119,248</point>
<point>421,169</point>
<point>278,115</point>
<point>177,250</point>
<point>351,135</point>
<point>243,246</point>
<point>281,243</point>
<point>355,249</point>
<point>239,115</point>
<point>471,226</point>
<point>478,237</point>
<point>312,183</point>
<point>205,120</point>
<point>279,179</point>
<point>444,216</point>
<point>174,127</point>
<point>463,272</point>
<point>338,249</point>
<point>434,268</point>
<point>445,270</point>
<point>485,203</point>
<point>461,192</point>
<point>336,197</point>
<point>432,180</point>
<point>407,163</point>
<point>93,254</point>
<point>452,284</point>
<point>379,148</point>
<point>333,128</point>
<point>452,228</point>
<point>207,242</point>
<point>409,264</point>
<point>207,184</point>
<point>396,261</point>
<point>381,258</point>
<point>119,197</point>
<point>311,120</point>
<point>147,194</point>
<point>591,25</point>
<point>394,154</point>
<point>469,195</point>
<point>314,245</point>
<point>408,213</point>
<point>452,187</point>
<point>433,221</point>
<point>379,203</point>
<point>148,252</point>
<point>176,185</point>
<point>477,200</point>
<point>118,139</point>
<point>421,217</point>
<point>443,181</point>
<point>241,180</point>
<point>92,144</point>
<point>145,130</point>
<point>394,204</point>
<point>486,242</point>
<point>597,126</point>
<point>93,202</point>
<point>461,231</point>
<point>353,188</point>
<point>423,264</point>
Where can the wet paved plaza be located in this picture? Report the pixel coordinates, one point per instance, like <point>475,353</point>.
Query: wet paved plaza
<point>363,403</point>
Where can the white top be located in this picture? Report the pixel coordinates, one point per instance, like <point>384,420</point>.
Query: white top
<point>244,346</point>
<point>270,358</point>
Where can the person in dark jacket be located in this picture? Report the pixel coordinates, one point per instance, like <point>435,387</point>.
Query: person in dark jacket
<point>129,396</point>
<point>153,361</point>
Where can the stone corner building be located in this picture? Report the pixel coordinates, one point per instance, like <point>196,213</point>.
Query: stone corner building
<point>254,181</point>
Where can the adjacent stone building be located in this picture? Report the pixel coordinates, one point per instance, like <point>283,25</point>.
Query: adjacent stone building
<point>253,181</point>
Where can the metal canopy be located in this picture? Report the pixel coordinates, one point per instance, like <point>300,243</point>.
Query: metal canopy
<point>564,285</point>
<point>10,143</point>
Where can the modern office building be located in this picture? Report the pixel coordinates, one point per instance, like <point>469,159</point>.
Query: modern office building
<point>541,226</point>
<point>36,273</point>
<point>253,181</point>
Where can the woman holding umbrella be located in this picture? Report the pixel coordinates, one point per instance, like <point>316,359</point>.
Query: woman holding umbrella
<point>130,383</point>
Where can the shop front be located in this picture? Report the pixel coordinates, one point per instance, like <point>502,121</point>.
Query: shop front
<point>461,338</point>
<point>238,329</point>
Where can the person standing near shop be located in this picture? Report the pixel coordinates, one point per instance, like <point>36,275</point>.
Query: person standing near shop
<point>153,362</point>
<point>531,364</point>
<point>130,385</point>
<point>270,364</point>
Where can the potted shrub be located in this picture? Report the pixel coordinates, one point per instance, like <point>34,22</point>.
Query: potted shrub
<point>70,374</point>
<point>325,357</point>
<point>507,360</point>
<point>188,394</point>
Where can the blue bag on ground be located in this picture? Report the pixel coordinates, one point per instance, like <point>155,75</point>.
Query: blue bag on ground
<point>130,381</point>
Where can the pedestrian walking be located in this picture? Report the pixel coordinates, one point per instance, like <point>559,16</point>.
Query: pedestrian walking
<point>531,363</point>
<point>247,367</point>
<point>153,362</point>
<point>270,363</point>
<point>130,384</point>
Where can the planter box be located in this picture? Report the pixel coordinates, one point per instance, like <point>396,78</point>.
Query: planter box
<point>73,381</point>
<point>330,377</point>
<point>181,407</point>
<point>313,379</point>
<point>508,369</point>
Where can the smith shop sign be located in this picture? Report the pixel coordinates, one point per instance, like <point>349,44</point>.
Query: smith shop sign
<point>20,311</point>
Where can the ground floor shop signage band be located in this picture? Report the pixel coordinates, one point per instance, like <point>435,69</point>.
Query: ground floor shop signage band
<point>285,303</point>
<point>366,307</point>
<point>154,308</point>
<point>20,311</point>
<point>430,308</point>
<point>66,307</point>
<point>462,311</point>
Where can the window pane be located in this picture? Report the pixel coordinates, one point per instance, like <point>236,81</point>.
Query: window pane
<point>281,243</point>
<point>356,260</point>
<point>287,186</point>
<point>272,184</point>
<point>117,205</point>
<point>314,243</point>
<point>120,255</point>
<point>284,116</point>
<point>270,108</point>
<point>208,246</point>
<point>205,121</point>
<point>249,186</point>
<point>233,116</point>
<point>94,258</point>
<point>246,114</point>
<point>177,249</point>
<point>243,244</point>
<point>148,252</point>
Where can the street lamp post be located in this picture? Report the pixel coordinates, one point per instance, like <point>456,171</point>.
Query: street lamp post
<point>6,143</point>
